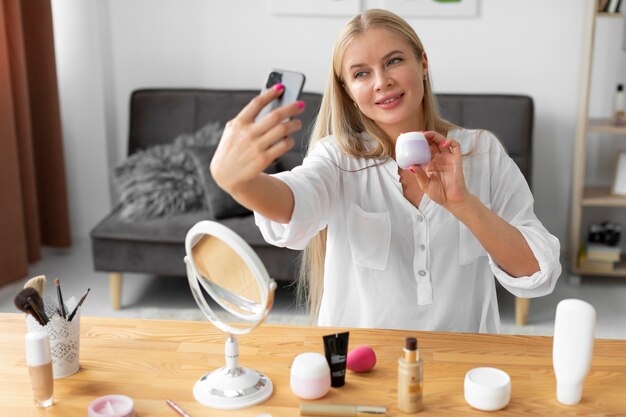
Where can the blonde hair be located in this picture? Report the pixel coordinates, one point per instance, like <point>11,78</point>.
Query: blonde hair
<point>339,117</point>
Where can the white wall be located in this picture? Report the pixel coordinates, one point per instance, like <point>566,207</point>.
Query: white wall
<point>107,49</point>
<point>81,91</point>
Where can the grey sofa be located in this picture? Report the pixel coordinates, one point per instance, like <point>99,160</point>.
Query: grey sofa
<point>158,115</point>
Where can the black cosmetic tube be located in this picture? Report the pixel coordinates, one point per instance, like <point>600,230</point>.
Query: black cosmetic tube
<point>336,350</point>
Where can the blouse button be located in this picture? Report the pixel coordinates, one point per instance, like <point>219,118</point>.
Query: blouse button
<point>422,273</point>
<point>422,247</point>
<point>419,219</point>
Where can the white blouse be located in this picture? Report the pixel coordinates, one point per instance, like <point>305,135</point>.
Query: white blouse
<point>391,265</point>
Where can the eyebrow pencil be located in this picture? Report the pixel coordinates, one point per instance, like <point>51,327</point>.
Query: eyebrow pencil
<point>177,408</point>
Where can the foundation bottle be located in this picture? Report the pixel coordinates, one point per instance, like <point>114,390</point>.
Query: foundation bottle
<point>39,364</point>
<point>410,378</point>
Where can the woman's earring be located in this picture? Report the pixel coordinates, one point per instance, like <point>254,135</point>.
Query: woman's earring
<point>426,77</point>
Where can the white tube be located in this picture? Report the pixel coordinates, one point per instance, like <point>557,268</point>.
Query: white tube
<point>572,348</point>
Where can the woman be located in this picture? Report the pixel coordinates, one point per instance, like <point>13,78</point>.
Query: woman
<point>390,248</point>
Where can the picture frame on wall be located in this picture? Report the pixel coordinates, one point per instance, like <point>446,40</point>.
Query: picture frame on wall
<point>619,178</point>
<point>315,8</point>
<point>433,8</point>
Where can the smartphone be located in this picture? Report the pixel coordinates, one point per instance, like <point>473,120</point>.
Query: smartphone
<point>293,82</point>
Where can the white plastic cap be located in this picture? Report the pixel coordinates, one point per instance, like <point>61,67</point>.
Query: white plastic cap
<point>569,394</point>
<point>310,365</point>
<point>487,389</point>
<point>37,348</point>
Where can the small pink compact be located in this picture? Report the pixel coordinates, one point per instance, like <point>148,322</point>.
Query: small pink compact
<point>112,406</point>
<point>310,376</point>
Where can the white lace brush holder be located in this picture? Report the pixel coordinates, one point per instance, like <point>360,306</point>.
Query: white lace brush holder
<point>64,337</point>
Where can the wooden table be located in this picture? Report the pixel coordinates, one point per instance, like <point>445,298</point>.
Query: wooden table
<point>152,360</point>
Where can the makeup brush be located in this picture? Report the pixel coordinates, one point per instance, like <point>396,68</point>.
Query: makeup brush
<point>29,301</point>
<point>37,310</point>
<point>61,310</point>
<point>80,302</point>
<point>38,283</point>
<point>23,296</point>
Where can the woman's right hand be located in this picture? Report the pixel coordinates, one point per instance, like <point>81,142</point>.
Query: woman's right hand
<point>248,147</point>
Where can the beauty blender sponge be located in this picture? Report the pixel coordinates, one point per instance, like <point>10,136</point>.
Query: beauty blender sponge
<point>361,359</point>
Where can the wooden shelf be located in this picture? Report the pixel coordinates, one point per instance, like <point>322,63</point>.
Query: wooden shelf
<point>605,126</point>
<point>620,271</point>
<point>585,196</point>
<point>602,197</point>
<point>615,15</point>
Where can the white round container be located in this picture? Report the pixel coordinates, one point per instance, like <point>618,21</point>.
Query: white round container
<point>412,149</point>
<point>487,389</point>
<point>310,376</point>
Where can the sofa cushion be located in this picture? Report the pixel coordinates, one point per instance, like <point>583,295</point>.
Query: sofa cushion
<point>221,205</point>
<point>170,229</point>
<point>290,160</point>
<point>510,117</point>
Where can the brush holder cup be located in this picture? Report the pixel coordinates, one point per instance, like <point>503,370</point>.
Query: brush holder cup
<point>64,337</point>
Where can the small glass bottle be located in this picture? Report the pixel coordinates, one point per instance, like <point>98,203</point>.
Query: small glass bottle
<point>410,378</point>
<point>619,119</point>
<point>39,364</point>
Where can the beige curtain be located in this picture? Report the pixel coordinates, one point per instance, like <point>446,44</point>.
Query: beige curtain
<point>33,190</point>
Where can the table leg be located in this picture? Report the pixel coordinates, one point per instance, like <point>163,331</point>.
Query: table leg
<point>521,311</point>
<point>115,289</point>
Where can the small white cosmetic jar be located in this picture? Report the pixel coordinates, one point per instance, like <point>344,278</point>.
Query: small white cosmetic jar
<point>412,149</point>
<point>487,389</point>
<point>310,376</point>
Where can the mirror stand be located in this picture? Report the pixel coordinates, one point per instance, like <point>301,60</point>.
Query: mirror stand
<point>232,386</point>
<point>223,268</point>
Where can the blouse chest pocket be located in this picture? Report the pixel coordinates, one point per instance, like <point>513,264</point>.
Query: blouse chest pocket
<point>370,237</point>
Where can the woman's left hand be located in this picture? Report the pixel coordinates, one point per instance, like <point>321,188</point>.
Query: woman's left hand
<point>442,178</point>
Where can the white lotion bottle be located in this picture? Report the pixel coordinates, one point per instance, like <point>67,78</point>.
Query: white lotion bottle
<point>572,349</point>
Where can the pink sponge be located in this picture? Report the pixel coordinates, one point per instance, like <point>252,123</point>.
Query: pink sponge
<point>361,359</point>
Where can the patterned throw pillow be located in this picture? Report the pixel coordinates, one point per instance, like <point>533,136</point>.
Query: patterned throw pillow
<point>163,180</point>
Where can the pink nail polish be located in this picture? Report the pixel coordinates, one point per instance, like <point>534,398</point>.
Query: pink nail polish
<point>301,104</point>
<point>443,144</point>
<point>412,169</point>
<point>279,87</point>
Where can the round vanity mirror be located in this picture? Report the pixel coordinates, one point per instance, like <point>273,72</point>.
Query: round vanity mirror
<point>234,291</point>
